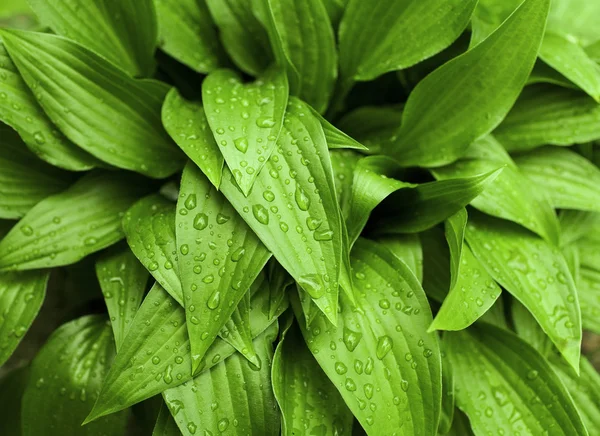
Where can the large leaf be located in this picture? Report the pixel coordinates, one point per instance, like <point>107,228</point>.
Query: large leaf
<point>309,402</point>
<point>381,349</point>
<point>505,384</point>
<point>220,257</point>
<point>24,179</point>
<point>123,281</point>
<point>293,208</point>
<point>122,31</point>
<point>83,94</point>
<point>217,402</point>
<point>469,96</point>
<point>245,119</point>
<point>165,424</point>
<point>535,273</point>
<point>66,227</point>
<point>65,377</point>
<point>20,110</point>
<point>21,296</point>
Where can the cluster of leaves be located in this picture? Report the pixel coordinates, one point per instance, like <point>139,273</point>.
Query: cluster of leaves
<point>301,186</point>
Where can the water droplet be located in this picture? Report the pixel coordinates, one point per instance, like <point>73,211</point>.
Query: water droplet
<point>313,223</point>
<point>532,375</point>
<point>312,284</point>
<point>340,368</point>
<point>222,219</point>
<point>368,388</point>
<point>265,122</point>
<point>184,249</point>
<point>191,427</point>
<point>404,385</point>
<point>351,338</point>
<point>269,196</point>
<point>153,266</point>
<point>384,345</point>
<point>214,300</point>
<point>190,202</point>
<point>223,424</point>
<point>350,385</point>
<point>241,144</point>
<point>302,200</point>
<point>323,235</point>
<point>208,279</point>
<point>39,138</point>
<point>260,213</point>
<point>27,230</point>
<point>238,254</point>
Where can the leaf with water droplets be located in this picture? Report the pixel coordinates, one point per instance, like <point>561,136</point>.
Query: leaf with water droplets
<point>502,383</point>
<point>59,71</point>
<point>219,259</point>
<point>385,364</point>
<point>65,377</point>
<point>123,281</point>
<point>187,124</point>
<point>21,297</point>
<point>293,208</point>
<point>535,273</point>
<point>66,227</point>
<point>165,424</point>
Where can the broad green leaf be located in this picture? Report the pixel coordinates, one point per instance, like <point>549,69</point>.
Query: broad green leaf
<point>65,377</point>
<point>469,96</point>
<point>187,124</point>
<point>535,273</point>
<point>12,386</point>
<point>187,33</point>
<point>243,36</point>
<point>20,110</point>
<point>576,18</point>
<point>123,281</point>
<point>344,164</point>
<point>165,424</point>
<point>335,137</point>
<point>309,402</point>
<point>408,249</point>
<point>217,402</point>
<point>436,264</point>
<point>569,180</point>
<point>529,329</point>
<point>488,16</point>
<point>511,195</point>
<point>24,179</point>
<point>219,259</point>
<point>589,296</point>
<point>122,31</point>
<point>394,34</point>
<point>83,94</point>
<point>552,115</point>
<point>293,209</point>
<point>505,384</point>
<point>66,227</point>
<point>21,296</point>
<point>575,224</point>
<point>245,119</point>
<point>393,358</point>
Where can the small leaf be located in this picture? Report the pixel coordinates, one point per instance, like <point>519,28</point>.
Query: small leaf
<point>245,119</point>
<point>165,424</point>
<point>66,227</point>
<point>237,331</point>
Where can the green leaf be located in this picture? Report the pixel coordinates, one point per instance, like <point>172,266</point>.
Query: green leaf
<point>65,376</point>
<point>344,164</point>
<point>301,228</point>
<point>543,73</point>
<point>469,96</point>
<point>529,329</point>
<point>216,402</point>
<point>24,179</point>
<point>392,359</point>
<point>302,388</point>
<point>448,406</point>
<point>188,34</point>
<point>279,281</point>
<point>123,281</point>
<point>165,424</point>
<point>66,227</point>
<point>21,297</point>
<point>395,34</point>
<point>436,264</point>
<point>243,36</point>
<point>124,32</point>
<point>488,16</point>
<point>535,273</point>
<point>408,249</point>
<point>575,18</point>
<point>216,270</point>
<point>245,119</point>
<point>12,386</point>
<point>551,115</point>
<point>187,124</point>
<point>20,110</point>
<point>237,331</point>
<point>335,137</point>
<point>460,425</point>
<point>569,180</point>
<point>504,384</point>
<point>575,224</point>
<point>83,93</point>
<point>589,296</point>
<point>455,236</point>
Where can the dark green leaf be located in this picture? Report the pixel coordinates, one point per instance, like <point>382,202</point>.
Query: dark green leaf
<point>436,264</point>
<point>529,329</point>
<point>12,386</point>
<point>165,424</point>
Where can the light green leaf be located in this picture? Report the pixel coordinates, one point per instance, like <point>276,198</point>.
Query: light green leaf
<point>188,34</point>
<point>593,51</point>
<point>488,16</point>
<point>123,281</point>
<point>66,227</point>
<point>21,296</point>
<point>505,384</point>
<point>243,36</point>
<point>529,329</point>
<point>187,124</point>
<point>575,224</point>
<point>65,376</point>
<point>122,31</point>
<point>393,359</point>
<point>279,281</point>
<point>589,296</point>
<point>408,249</point>
<point>83,93</point>
<point>543,73</point>
<point>20,110</point>
<point>216,270</point>
<point>24,179</point>
<point>165,424</point>
<point>309,402</point>
<point>569,180</point>
<point>301,228</point>
<point>535,273</point>
<point>344,163</point>
<point>455,236</point>
<point>469,96</point>
<point>448,406</point>
<point>576,18</point>
<point>215,402</point>
<point>12,386</point>
<point>237,331</point>
<point>245,119</point>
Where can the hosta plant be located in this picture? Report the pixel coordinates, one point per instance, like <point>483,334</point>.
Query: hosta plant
<point>299,217</point>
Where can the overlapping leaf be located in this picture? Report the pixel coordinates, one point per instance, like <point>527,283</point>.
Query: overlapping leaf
<point>408,249</point>
<point>165,424</point>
